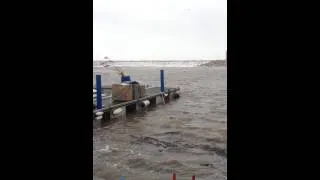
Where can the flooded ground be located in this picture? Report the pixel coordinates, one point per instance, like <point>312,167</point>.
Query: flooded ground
<point>187,136</point>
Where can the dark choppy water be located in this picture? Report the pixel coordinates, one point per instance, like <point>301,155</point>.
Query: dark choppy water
<point>187,136</point>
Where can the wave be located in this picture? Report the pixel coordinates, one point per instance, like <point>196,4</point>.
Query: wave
<point>153,63</point>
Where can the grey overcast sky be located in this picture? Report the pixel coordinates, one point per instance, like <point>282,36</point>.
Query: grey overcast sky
<point>159,29</point>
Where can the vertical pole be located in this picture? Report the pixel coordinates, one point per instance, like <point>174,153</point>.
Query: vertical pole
<point>162,80</point>
<point>174,176</point>
<point>98,87</point>
<point>136,95</point>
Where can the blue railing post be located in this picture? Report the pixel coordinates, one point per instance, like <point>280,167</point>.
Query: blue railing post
<point>161,80</point>
<point>98,87</point>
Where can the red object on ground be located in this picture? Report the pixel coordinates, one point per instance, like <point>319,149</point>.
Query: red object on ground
<point>193,177</point>
<point>174,176</point>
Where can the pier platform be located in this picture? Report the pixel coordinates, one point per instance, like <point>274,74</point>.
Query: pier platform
<point>153,95</point>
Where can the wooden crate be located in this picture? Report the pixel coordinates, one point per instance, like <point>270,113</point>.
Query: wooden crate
<point>122,92</point>
<point>142,89</point>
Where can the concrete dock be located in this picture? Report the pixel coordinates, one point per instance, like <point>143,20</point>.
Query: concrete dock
<point>106,106</point>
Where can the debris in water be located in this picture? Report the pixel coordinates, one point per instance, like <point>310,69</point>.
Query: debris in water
<point>105,150</point>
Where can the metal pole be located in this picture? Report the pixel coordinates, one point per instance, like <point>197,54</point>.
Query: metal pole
<point>174,176</point>
<point>98,87</point>
<point>162,80</point>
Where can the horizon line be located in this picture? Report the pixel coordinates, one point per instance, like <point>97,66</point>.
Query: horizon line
<point>161,60</point>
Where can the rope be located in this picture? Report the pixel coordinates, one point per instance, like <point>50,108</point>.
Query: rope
<point>119,70</point>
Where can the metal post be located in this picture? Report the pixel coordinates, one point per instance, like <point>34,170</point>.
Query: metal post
<point>98,87</point>
<point>174,176</point>
<point>162,80</point>
<point>136,94</point>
